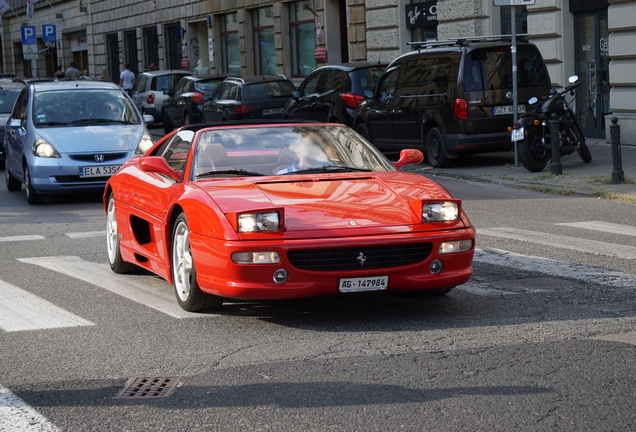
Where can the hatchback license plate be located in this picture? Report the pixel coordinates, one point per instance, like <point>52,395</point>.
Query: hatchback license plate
<point>374,283</point>
<point>98,171</point>
<point>272,111</point>
<point>517,134</point>
<point>507,109</point>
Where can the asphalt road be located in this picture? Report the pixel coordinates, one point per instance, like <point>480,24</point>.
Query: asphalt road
<point>542,337</point>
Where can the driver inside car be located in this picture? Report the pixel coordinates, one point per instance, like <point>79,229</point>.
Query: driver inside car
<point>307,153</point>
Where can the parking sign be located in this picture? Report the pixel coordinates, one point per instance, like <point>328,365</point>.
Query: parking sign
<point>28,35</point>
<point>48,32</point>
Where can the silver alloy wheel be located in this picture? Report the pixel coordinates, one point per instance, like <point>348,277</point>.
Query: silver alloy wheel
<point>112,235</point>
<point>182,261</point>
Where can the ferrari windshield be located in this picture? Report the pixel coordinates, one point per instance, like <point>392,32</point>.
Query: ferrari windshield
<point>282,150</point>
<point>82,107</point>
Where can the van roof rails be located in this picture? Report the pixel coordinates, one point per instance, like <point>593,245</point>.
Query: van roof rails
<point>464,41</point>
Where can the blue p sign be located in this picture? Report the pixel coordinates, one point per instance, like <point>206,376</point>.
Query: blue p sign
<point>48,32</point>
<point>28,35</point>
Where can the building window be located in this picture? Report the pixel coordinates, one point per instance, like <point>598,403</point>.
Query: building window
<point>303,43</point>
<point>172,45</point>
<point>264,52</point>
<point>521,18</point>
<point>151,47</point>
<point>230,55</point>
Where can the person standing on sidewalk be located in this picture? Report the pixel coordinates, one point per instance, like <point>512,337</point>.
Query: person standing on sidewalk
<point>72,72</point>
<point>127,79</point>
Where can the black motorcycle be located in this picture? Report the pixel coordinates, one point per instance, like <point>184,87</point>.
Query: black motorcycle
<point>532,130</point>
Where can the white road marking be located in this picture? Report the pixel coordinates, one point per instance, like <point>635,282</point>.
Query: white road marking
<point>561,269</point>
<point>20,310</point>
<point>481,289</point>
<point>86,234</point>
<point>21,238</point>
<point>16,415</point>
<point>607,227</point>
<point>563,242</point>
<point>629,338</point>
<point>125,286</point>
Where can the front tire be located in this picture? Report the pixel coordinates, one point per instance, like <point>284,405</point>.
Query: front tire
<point>117,264</point>
<point>184,275</point>
<point>532,152</point>
<point>435,149</point>
<point>32,196</point>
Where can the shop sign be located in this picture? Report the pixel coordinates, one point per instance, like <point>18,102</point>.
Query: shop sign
<point>420,15</point>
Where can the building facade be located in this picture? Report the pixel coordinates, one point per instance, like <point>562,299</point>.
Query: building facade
<point>594,39</point>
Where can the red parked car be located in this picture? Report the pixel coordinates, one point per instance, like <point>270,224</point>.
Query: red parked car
<point>274,210</point>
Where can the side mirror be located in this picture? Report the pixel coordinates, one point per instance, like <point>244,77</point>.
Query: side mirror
<point>295,94</point>
<point>573,79</point>
<point>368,94</point>
<point>167,92</point>
<point>158,165</point>
<point>533,100</point>
<point>409,157</point>
<point>148,119</point>
<point>15,123</point>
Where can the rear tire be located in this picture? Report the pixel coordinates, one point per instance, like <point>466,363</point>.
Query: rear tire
<point>435,149</point>
<point>13,184</point>
<point>584,152</point>
<point>167,124</point>
<point>184,275</point>
<point>117,264</point>
<point>32,196</point>
<point>532,152</point>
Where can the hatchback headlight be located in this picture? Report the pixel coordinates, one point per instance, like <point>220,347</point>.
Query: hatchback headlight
<point>144,144</point>
<point>43,149</point>
<point>258,222</point>
<point>440,212</point>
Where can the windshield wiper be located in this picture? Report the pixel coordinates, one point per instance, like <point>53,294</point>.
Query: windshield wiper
<point>328,168</point>
<point>225,172</point>
<point>52,123</point>
<point>99,121</point>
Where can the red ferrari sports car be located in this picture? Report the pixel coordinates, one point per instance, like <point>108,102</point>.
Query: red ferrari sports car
<point>283,210</point>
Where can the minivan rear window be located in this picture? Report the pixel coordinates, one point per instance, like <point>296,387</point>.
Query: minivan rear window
<point>491,69</point>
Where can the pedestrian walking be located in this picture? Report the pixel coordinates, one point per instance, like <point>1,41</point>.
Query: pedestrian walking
<point>59,73</point>
<point>127,79</point>
<point>72,72</point>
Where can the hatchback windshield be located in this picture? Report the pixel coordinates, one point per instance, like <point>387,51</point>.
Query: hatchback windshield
<point>285,150</point>
<point>82,107</point>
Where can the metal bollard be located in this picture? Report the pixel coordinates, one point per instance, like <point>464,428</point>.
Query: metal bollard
<point>617,160</point>
<point>555,139</point>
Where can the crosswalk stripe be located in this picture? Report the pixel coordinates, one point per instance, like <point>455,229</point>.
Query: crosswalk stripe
<point>563,242</point>
<point>21,238</point>
<point>607,227</point>
<point>125,286</point>
<point>16,415</point>
<point>20,310</point>
<point>561,269</point>
<point>86,234</point>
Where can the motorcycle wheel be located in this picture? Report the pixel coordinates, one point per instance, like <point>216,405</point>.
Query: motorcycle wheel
<point>582,149</point>
<point>532,152</point>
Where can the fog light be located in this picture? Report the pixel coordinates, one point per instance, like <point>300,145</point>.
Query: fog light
<point>436,266</point>
<point>280,276</point>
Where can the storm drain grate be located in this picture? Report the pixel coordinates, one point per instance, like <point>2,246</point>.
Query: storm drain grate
<point>148,387</point>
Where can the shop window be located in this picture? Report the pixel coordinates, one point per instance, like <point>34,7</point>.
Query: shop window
<point>230,55</point>
<point>302,39</point>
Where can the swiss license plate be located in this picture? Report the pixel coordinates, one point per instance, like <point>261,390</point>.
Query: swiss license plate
<point>272,111</point>
<point>507,109</point>
<point>374,283</point>
<point>517,134</point>
<point>98,171</point>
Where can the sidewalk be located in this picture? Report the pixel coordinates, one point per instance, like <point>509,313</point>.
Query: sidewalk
<point>578,178</point>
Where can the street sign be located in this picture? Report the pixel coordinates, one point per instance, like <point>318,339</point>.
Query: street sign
<point>28,35</point>
<point>48,32</point>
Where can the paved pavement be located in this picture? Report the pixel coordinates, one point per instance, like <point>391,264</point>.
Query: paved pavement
<point>577,178</point>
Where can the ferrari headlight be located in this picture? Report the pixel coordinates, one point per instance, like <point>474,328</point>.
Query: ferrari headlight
<point>144,144</point>
<point>258,222</point>
<point>456,246</point>
<point>255,258</point>
<point>436,212</point>
<point>43,149</point>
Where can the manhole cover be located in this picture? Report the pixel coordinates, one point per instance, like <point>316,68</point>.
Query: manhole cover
<point>148,387</point>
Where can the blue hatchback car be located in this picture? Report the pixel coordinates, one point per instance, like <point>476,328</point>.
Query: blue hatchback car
<point>71,136</point>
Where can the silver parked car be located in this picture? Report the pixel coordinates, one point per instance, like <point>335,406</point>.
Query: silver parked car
<point>70,136</point>
<point>148,91</point>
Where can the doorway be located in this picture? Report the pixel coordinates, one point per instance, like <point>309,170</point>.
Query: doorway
<point>592,67</point>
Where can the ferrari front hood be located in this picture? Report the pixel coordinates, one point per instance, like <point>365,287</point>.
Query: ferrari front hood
<point>384,199</point>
